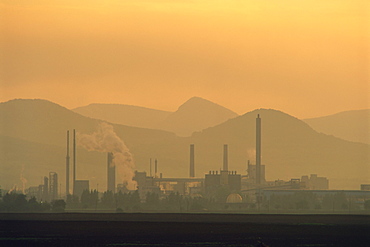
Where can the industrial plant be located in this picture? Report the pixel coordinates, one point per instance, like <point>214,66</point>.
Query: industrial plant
<point>225,186</point>
<point>46,192</point>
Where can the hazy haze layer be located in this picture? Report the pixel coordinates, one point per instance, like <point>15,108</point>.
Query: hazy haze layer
<point>308,58</point>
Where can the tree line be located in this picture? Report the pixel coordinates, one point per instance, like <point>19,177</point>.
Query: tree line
<point>14,202</point>
<point>310,201</point>
<point>174,202</point>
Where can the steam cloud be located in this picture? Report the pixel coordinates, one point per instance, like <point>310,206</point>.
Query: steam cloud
<point>106,140</point>
<point>14,189</point>
<point>251,153</point>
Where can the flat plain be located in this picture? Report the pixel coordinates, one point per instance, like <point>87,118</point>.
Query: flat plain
<point>175,229</point>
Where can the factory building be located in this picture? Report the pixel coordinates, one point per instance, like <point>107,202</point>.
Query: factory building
<point>40,192</point>
<point>145,184</point>
<point>45,190</point>
<point>315,183</point>
<point>80,186</point>
<point>34,191</point>
<point>252,173</point>
<point>53,186</point>
<point>230,179</point>
<point>215,180</point>
<point>365,187</point>
<point>161,185</point>
<point>192,185</point>
<point>183,186</point>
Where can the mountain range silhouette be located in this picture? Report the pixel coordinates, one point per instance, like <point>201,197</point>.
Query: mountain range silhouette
<point>33,137</point>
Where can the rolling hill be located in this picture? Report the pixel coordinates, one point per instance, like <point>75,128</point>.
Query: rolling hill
<point>32,135</point>
<point>290,147</point>
<point>124,114</point>
<point>195,114</point>
<point>45,122</point>
<point>349,125</point>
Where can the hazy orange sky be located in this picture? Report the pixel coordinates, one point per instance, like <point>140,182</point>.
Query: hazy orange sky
<point>307,58</point>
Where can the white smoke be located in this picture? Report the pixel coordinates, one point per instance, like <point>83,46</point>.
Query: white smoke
<point>23,179</point>
<point>14,189</point>
<point>106,140</point>
<point>251,153</point>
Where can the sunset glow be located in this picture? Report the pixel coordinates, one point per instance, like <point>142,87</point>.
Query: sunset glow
<point>307,58</point>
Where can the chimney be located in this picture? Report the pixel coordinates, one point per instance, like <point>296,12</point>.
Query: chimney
<point>258,149</point>
<point>67,165</point>
<point>150,162</point>
<point>155,168</point>
<point>74,162</point>
<point>226,164</point>
<point>111,172</point>
<point>192,170</point>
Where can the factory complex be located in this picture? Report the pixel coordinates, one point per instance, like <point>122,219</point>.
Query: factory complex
<point>240,190</point>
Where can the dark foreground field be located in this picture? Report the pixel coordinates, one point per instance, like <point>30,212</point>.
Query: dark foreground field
<point>183,230</point>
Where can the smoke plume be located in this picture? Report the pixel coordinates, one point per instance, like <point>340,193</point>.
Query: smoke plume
<point>106,140</point>
<point>14,189</point>
<point>251,153</point>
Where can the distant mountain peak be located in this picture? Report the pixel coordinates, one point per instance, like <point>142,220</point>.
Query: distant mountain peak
<point>41,104</point>
<point>14,101</point>
<point>197,99</point>
<point>350,125</point>
<point>199,104</point>
<point>194,115</point>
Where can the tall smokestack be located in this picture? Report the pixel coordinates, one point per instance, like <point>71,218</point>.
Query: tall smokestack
<point>226,163</point>
<point>192,169</point>
<point>67,165</point>
<point>111,181</point>
<point>74,162</point>
<point>155,168</point>
<point>150,162</point>
<point>258,149</point>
